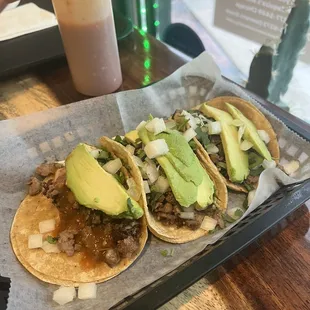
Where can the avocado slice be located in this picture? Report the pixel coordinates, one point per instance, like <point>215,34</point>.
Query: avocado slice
<point>205,191</point>
<point>236,159</point>
<point>94,188</point>
<point>189,184</point>
<point>250,132</point>
<point>132,137</point>
<point>184,192</point>
<point>189,174</point>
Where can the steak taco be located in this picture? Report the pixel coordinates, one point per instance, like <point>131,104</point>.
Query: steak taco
<point>236,137</point>
<point>185,196</point>
<point>79,222</point>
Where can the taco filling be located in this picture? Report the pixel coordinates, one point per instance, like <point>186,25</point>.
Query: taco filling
<point>179,191</point>
<point>232,142</point>
<point>103,227</point>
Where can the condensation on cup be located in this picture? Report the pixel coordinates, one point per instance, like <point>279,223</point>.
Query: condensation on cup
<point>88,34</point>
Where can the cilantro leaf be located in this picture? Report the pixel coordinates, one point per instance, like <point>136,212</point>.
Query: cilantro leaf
<point>249,187</point>
<point>120,140</point>
<point>202,137</point>
<point>51,240</point>
<point>181,123</point>
<point>167,253</point>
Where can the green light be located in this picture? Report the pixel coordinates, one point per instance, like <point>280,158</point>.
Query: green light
<point>146,44</point>
<point>155,5</point>
<point>144,28</point>
<point>147,64</point>
<point>147,79</point>
<point>142,32</point>
<point>157,23</point>
<point>143,11</point>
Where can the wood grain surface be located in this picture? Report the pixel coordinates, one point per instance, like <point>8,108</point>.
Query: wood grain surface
<point>273,273</point>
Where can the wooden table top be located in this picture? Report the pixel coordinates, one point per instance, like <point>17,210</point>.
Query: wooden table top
<point>273,273</point>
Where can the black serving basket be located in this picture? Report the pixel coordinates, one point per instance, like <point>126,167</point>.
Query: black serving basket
<point>273,210</point>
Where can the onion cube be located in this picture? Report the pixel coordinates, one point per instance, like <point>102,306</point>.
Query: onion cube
<point>47,226</point>
<point>141,125</point>
<point>189,134</point>
<point>113,166</point>
<point>87,291</point>
<point>208,223</point>
<point>50,248</point>
<point>191,119</point>
<point>138,161</point>
<point>130,149</point>
<point>64,295</point>
<point>35,241</point>
<point>212,149</point>
<point>146,187</point>
<point>156,125</point>
<point>264,136</point>
<point>156,148</point>
<point>151,171</point>
<point>214,128</point>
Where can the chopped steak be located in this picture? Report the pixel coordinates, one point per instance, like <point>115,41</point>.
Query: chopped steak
<point>66,241</point>
<point>167,210</point>
<point>216,158</point>
<point>34,186</point>
<point>127,247</point>
<point>45,170</point>
<point>111,257</point>
<point>99,237</point>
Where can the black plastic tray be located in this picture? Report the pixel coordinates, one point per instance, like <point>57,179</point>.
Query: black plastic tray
<point>273,210</point>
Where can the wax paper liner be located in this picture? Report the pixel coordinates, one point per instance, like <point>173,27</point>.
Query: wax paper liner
<point>27,141</point>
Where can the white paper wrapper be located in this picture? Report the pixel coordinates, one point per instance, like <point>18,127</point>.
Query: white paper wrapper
<point>23,20</point>
<point>49,135</point>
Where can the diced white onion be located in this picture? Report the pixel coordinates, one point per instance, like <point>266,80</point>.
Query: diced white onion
<point>231,212</point>
<point>251,196</point>
<point>245,145</point>
<point>208,223</point>
<point>291,167</point>
<point>133,189</point>
<point>237,123</point>
<point>187,215</point>
<point>156,125</point>
<point>240,133</point>
<point>191,119</point>
<point>94,152</point>
<point>141,125</point>
<point>156,148</point>
<point>171,124</point>
<point>64,295</point>
<point>87,291</point>
<point>269,164</point>
<point>212,149</point>
<point>264,136</point>
<point>113,166</point>
<point>214,128</point>
<point>47,226</point>
<point>151,171</point>
<point>35,241</point>
<point>189,134</point>
<point>161,185</point>
<point>50,248</point>
<point>138,161</point>
<point>146,187</point>
<point>60,162</point>
<point>130,149</point>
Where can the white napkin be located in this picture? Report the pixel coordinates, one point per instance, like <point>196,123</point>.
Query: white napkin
<point>24,19</point>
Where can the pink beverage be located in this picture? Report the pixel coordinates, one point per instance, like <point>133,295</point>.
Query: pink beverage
<point>89,38</point>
